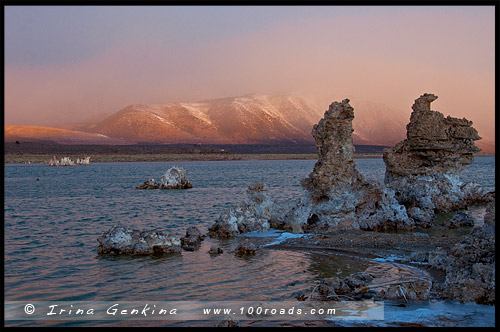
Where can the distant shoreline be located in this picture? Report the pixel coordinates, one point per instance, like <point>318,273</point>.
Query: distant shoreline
<point>44,159</point>
<point>10,158</point>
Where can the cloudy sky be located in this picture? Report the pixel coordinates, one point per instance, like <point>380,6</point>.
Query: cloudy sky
<point>67,64</point>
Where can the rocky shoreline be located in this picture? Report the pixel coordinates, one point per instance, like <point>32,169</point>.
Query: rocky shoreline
<point>457,268</point>
<point>343,213</point>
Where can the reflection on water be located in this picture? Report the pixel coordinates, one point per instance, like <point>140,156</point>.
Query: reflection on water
<point>327,265</point>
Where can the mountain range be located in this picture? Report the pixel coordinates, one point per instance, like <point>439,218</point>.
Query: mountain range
<point>248,119</point>
<point>57,135</point>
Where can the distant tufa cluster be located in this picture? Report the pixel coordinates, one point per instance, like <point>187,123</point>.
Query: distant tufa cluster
<point>66,161</point>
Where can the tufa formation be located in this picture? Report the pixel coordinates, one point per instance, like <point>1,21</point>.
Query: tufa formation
<point>174,178</point>
<point>335,169</point>
<point>434,144</point>
<point>423,170</point>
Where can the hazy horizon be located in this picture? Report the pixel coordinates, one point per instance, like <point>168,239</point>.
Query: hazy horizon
<point>67,64</point>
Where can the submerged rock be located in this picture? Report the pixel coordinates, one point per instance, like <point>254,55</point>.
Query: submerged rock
<point>192,239</point>
<point>125,241</point>
<point>470,264</point>
<point>246,248</point>
<point>423,169</point>
<point>215,250</point>
<point>149,184</point>
<point>387,283</point>
<point>174,178</point>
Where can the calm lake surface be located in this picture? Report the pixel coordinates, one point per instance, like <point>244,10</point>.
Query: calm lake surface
<point>51,227</point>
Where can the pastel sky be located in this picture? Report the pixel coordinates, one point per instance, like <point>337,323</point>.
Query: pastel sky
<point>68,64</point>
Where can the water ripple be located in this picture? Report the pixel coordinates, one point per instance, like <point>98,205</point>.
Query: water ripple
<point>51,228</point>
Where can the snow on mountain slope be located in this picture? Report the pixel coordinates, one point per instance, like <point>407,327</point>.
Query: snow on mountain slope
<point>248,119</point>
<point>245,119</point>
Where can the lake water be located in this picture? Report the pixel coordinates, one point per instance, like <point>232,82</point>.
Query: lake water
<point>51,227</point>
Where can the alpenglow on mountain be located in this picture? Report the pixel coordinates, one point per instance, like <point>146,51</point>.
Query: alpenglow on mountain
<point>248,119</point>
<point>236,120</point>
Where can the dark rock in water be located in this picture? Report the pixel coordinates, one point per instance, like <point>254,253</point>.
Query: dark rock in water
<point>149,184</point>
<point>389,282</point>
<point>192,239</point>
<point>125,241</point>
<point>461,219</point>
<point>229,322</point>
<point>419,257</point>
<point>246,248</point>
<point>194,233</point>
<point>334,288</point>
<point>189,247</point>
<point>302,296</point>
<point>174,178</point>
<point>470,264</point>
<point>215,250</point>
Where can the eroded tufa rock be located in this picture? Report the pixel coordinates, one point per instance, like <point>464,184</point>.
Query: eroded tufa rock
<point>470,264</point>
<point>214,250</point>
<point>434,144</point>
<point>66,161</point>
<point>420,180</point>
<point>423,169</point>
<point>377,282</point>
<point>335,169</point>
<point>461,219</point>
<point>246,248</point>
<point>255,214</point>
<point>192,239</point>
<point>174,178</point>
<point>339,197</point>
<point>125,241</point>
